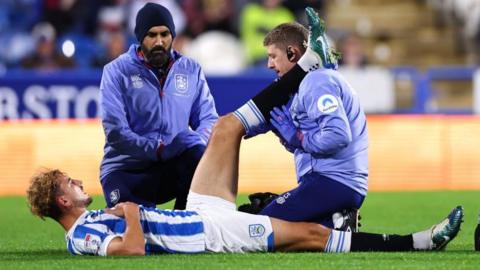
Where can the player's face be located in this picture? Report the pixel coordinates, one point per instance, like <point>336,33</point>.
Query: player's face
<point>73,190</point>
<point>156,46</point>
<point>278,60</point>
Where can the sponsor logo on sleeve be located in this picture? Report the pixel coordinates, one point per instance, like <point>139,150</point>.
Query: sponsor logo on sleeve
<point>256,230</point>
<point>327,103</point>
<point>92,243</point>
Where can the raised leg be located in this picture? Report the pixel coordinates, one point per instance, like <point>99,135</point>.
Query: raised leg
<point>217,172</point>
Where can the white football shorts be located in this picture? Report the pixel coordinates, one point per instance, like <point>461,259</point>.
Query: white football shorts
<point>228,230</point>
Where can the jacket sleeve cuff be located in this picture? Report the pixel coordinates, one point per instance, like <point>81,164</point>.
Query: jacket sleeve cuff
<point>204,134</point>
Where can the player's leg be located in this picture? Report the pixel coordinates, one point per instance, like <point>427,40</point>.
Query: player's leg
<point>299,236</point>
<point>217,171</point>
<point>435,238</point>
<point>302,236</point>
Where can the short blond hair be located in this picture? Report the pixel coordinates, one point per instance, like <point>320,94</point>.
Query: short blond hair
<point>42,193</point>
<point>287,34</point>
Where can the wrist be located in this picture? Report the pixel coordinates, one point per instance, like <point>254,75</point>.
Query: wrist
<point>160,149</point>
<point>131,212</point>
<point>298,139</point>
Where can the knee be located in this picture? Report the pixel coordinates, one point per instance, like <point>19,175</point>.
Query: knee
<point>314,233</point>
<point>225,128</point>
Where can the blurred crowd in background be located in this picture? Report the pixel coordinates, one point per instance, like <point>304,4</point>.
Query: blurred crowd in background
<point>225,36</point>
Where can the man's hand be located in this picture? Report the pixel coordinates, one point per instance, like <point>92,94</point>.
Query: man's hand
<point>132,242</point>
<point>121,209</point>
<point>282,121</point>
<point>184,140</point>
<point>288,147</point>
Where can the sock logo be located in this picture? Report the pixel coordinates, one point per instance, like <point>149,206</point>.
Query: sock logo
<point>385,237</point>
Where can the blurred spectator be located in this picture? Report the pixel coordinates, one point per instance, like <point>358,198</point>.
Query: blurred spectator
<point>353,55</point>
<point>464,16</point>
<point>15,46</point>
<point>115,47</point>
<point>111,20</point>
<point>219,53</point>
<point>471,30</point>
<point>19,15</point>
<point>256,21</point>
<point>46,55</point>
<point>206,15</point>
<point>298,8</point>
<point>63,14</point>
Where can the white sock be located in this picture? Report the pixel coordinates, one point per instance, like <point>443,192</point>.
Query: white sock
<point>339,241</point>
<point>310,61</point>
<point>250,116</point>
<point>422,240</point>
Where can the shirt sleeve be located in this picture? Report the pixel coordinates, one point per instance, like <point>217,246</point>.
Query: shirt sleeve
<point>203,114</point>
<point>118,133</point>
<point>88,241</point>
<point>330,130</point>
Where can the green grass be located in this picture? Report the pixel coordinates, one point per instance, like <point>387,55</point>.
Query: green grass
<point>27,242</point>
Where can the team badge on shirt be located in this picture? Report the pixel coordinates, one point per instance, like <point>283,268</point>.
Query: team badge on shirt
<point>181,83</point>
<point>136,81</point>
<point>256,230</point>
<point>327,103</point>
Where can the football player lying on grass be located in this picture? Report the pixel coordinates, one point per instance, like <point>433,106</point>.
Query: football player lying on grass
<point>210,223</point>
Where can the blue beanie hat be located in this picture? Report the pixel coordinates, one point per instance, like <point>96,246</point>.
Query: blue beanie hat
<point>152,15</point>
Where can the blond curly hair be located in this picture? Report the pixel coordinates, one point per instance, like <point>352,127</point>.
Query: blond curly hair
<point>42,193</point>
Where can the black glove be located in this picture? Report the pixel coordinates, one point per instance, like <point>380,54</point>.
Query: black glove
<point>258,201</point>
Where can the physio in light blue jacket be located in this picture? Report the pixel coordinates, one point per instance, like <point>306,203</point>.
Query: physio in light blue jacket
<point>157,115</point>
<point>325,128</point>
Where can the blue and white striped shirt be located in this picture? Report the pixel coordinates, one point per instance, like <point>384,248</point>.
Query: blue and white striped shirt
<point>165,231</point>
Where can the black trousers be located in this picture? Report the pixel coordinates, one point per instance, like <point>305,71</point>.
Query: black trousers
<point>160,183</point>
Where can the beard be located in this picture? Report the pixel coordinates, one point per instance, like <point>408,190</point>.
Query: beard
<point>83,203</point>
<point>157,57</point>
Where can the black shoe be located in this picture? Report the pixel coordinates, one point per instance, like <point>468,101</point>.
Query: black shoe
<point>347,220</point>
<point>258,201</point>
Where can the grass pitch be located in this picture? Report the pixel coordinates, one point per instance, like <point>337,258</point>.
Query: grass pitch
<point>27,242</point>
